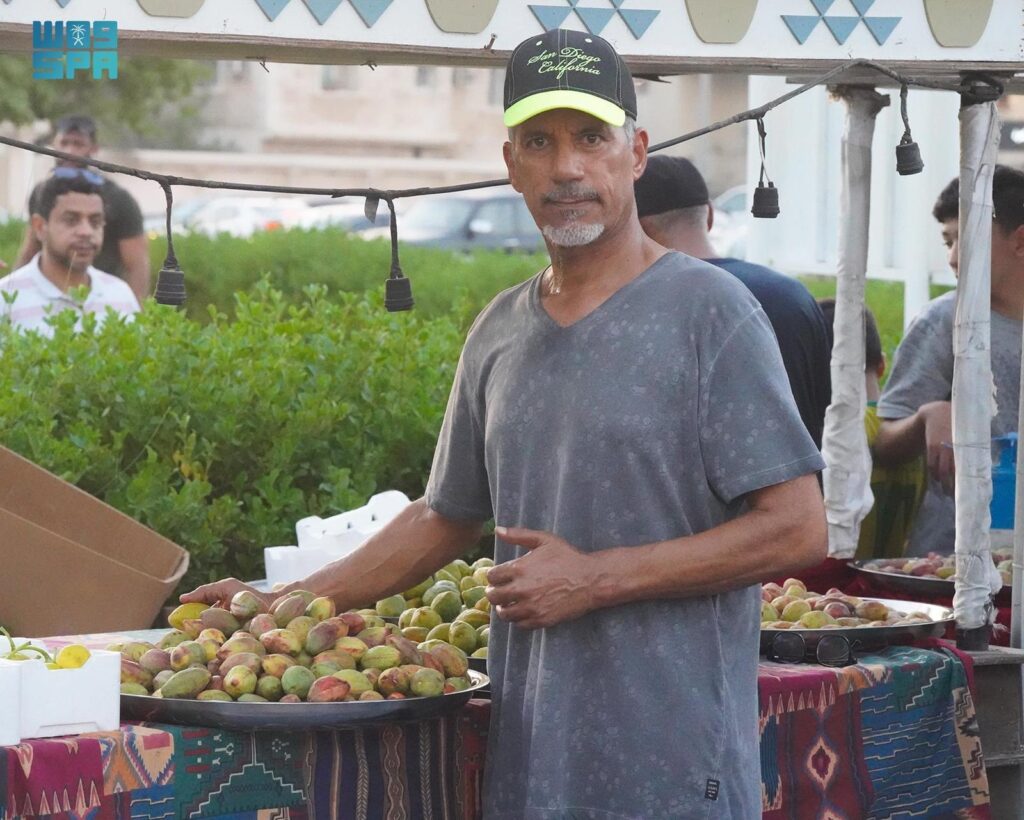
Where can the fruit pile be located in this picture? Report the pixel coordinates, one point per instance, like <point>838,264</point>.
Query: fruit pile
<point>941,567</point>
<point>73,656</point>
<point>450,606</point>
<point>297,650</point>
<point>791,606</point>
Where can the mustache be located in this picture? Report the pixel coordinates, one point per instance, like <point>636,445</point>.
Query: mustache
<point>570,192</point>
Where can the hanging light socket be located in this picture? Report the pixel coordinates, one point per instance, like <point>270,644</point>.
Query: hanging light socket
<point>908,159</point>
<point>766,201</point>
<point>908,155</point>
<point>170,284</point>
<point>398,294</point>
<point>398,289</point>
<point>766,197</point>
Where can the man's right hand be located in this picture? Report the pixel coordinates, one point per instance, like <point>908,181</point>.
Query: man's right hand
<point>938,441</point>
<point>220,593</point>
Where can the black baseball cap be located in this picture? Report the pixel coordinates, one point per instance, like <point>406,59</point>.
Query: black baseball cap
<point>77,122</point>
<point>568,69</point>
<point>669,183</point>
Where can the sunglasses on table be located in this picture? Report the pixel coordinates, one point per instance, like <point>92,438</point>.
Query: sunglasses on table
<point>791,647</point>
<point>63,172</point>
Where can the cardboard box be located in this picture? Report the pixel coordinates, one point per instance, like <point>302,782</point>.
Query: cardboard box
<point>70,564</point>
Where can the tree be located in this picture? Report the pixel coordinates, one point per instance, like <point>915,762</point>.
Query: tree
<point>148,93</point>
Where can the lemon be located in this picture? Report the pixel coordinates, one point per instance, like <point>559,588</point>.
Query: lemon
<point>185,612</point>
<point>72,656</point>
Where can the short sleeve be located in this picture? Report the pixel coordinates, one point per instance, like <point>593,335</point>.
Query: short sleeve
<point>458,487</point>
<point>922,369</point>
<point>751,434</point>
<point>124,217</point>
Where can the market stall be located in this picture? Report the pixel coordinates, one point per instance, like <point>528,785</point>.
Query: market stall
<point>847,739</point>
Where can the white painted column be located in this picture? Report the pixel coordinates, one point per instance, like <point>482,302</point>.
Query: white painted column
<point>973,389</point>
<point>847,476</point>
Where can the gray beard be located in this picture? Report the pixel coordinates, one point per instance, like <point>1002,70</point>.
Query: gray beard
<point>573,235</point>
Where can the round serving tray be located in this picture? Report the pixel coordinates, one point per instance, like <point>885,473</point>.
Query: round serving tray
<point>259,716</point>
<point>914,584</point>
<point>874,636</point>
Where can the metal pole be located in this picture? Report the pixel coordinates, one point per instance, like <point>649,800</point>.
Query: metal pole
<point>847,476</point>
<point>973,404</point>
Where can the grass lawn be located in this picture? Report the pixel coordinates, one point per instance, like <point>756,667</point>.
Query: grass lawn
<point>885,299</point>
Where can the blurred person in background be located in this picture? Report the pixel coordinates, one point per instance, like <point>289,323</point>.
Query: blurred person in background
<point>915,405</point>
<point>675,210</point>
<point>125,251</point>
<point>67,224</point>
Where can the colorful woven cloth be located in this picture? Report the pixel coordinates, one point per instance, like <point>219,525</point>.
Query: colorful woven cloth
<point>893,736</point>
<point>429,769</point>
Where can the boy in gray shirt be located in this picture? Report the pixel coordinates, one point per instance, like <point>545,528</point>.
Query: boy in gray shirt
<point>915,405</point>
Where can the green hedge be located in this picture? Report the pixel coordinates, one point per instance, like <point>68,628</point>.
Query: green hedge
<point>216,268</point>
<point>221,435</point>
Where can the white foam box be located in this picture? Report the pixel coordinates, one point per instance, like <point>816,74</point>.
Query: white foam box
<point>10,703</point>
<point>64,701</point>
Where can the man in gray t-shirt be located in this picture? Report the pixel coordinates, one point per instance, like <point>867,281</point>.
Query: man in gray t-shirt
<point>915,404</point>
<point>625,417</point>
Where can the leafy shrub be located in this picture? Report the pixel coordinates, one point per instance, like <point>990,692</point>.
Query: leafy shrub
<point>221,435</point>
<point>217,268</point>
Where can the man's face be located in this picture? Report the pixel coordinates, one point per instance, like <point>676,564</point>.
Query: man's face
<point>1006,250</point>
<point>576,174</point>
<point>73,234</point>
<point>74,142</point>
<point>951,239</point>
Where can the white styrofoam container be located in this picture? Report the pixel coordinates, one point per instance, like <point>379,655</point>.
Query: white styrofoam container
<point>327,533</point>
<point>64,701</point>
<point>322,540</point>
<point>10,703</point>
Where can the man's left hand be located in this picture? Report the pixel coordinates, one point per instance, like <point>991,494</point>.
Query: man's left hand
<point>552,583</point>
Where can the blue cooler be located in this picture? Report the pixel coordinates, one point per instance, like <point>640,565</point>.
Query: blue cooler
<point>1004,481</point>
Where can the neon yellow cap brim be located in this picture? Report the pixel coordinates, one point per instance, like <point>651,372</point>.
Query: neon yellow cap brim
<point>536,104</point>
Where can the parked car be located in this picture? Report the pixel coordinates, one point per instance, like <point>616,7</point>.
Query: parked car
<point>240,216</point>
<point>349,216</point>
<point>155,224</point>
<point>732,222</point>
<point>470,220</point>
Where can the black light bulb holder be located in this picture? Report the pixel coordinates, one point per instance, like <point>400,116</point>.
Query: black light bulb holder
<point>908,159</point>
<point>766,196</point>
<point>766,201</point>
<point>397,288</point>
<point>908,154</point>
<point>398,294</point>
<point>170,284</point>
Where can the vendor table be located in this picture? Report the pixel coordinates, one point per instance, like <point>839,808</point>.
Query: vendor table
<point>893,736</point>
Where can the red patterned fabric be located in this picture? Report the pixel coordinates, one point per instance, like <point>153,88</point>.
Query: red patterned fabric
<point>53,776</point>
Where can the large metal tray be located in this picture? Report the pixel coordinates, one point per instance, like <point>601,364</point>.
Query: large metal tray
<point>913,584</point>
<point>876,636</point>
<point>259,716</point>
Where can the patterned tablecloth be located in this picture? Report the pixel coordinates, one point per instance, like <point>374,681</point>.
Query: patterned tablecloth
<point>893,736</point>
<point>427,769</point>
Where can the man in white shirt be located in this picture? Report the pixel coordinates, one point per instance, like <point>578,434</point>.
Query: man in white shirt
<point>69,227</point>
